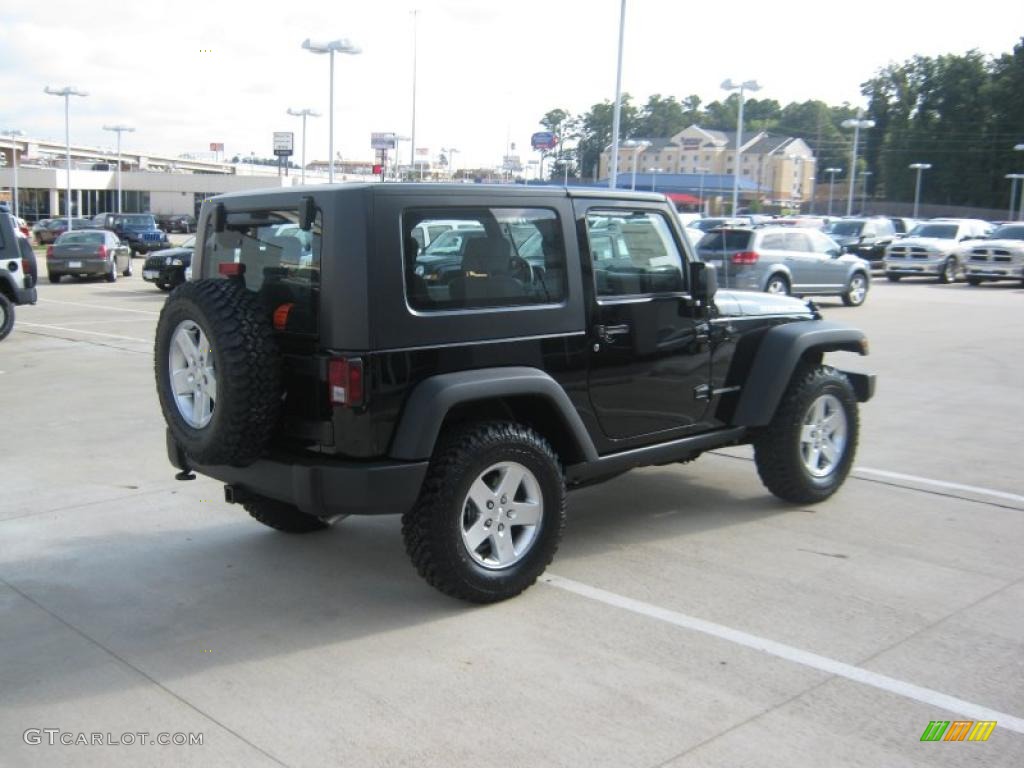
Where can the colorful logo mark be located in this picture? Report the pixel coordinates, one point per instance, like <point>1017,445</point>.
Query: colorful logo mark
<point>958,730</point>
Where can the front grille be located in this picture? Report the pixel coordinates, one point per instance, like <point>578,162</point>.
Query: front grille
<point>979,256</point>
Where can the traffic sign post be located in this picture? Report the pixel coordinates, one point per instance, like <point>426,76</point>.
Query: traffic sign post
<point>284,142</point>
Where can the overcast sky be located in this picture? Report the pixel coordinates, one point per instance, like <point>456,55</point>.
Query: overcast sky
<point>188,73</point>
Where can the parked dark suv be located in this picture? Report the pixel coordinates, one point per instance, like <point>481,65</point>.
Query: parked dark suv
<point>312,369</point>
<point>867,238</point>
<point>140,232</point>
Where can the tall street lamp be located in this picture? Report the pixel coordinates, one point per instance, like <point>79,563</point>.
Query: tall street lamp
<point>864,192</point>
<point>831,183</point>
<point>303,113</point>
<point>67,92</point>
<point>654,177</point>
<point>1014,177</point>
<point>855,123</point>
<point>613,174</point>
<point>343,45</point>
<point>415,42</point>
<point>119,129</point>
<point>747,85</point>
<point>637,147</point>
<point>919,167</point>
<point>13,135</point>
<point>700,195</point>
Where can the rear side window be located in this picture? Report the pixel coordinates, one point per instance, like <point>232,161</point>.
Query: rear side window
<point>774,242</point>
<point>633,252</point>
<point>483,257</point>
<point>282,261</point>
<point>726,240</point>
<point>797,241</point>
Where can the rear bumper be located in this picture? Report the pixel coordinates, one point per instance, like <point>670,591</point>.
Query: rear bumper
<point>318,487</point>
<point>162,274</point>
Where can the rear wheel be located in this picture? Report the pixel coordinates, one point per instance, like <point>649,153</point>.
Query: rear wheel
<point>856,291</point>
<point>892,278</point>
<point>55,277</point>
<point>283,517</point>
<point>975,281</point>
<point>112,272</point>
<point>805,453</point>
<point>777,284</point>
<point>128,270</point>
<point>491,512</point>
<point>163,286</point>
<point>6,317</point>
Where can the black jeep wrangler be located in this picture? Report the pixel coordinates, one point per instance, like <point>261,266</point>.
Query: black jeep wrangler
<point>312,368</point>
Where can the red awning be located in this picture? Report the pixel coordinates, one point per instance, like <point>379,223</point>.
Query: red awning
<point>679,197</point>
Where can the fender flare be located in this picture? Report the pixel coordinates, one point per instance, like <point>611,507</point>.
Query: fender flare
<point>777,357</point>
<point>432,399</point>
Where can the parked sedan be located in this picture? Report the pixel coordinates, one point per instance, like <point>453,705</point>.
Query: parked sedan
<point>58,227</point>
<point>38,227</point>
<point>1000,257</point>
<point>88,253</point>
<point>167,268</point>
<point>789,260</point>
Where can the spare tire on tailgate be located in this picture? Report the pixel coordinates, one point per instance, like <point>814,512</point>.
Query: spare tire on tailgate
<point>218,372</point>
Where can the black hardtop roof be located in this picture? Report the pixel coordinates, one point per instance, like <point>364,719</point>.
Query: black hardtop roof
<point>264,196</point>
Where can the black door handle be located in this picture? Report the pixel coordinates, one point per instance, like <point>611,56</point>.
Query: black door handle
<point>606,333</point>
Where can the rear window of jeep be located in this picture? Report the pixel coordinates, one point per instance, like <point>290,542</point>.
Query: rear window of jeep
<point>282,261</point>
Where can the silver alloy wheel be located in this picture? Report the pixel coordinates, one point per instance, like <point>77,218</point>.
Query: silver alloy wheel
<point>823,436</point>
<point>777,285</point>
<point>950,270</point>
<point>501,515</point>
<point>858,289</point>
<point>192,373</point>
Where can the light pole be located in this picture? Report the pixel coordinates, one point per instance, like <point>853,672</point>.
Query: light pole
<point>343,45</point>
<point>747,85</point>
<point>13,135</point>
<point>613,174</point>
<point>919,167</point>
<point>67,92</point>
<point>855,123</point>
<point>654,177</point>
<point>700,195</point>
<point>831,183</point>
<point>303,113</point>
<point>448,154</point>
<point>1014,177</point>
<point>415,41</point>
<point>118,129</point>
<point>637,147</point>
<point>864,192</point>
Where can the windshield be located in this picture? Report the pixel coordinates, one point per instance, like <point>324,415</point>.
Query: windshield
<point>138,221</point>
<point>939,231</point>
<point>1009,232</point>
<point>845,228</point>
<point>81,238</point>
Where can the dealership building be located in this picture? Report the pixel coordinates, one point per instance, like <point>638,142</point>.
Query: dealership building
<point>150,183</point>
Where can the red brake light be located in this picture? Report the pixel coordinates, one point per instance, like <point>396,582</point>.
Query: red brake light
<point>231,269</point>
<point>345,381</point>
<point>49,251</point>
<point>102,253</point>
<point>745,257</point>
<point>281,316</point>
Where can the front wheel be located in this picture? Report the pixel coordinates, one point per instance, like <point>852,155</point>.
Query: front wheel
<point>856,291</point>
<point>6,317</point>
<point>948,273</point>
<point>491,512</point>
<point>806,452</point>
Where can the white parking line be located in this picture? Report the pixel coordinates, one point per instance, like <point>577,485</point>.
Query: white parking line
<point>98,306</point>
<point>90,333</point>
<point>938,483</point>
<point>789,653</point>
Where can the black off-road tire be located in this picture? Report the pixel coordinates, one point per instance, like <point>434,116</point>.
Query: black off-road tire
<point>6,317</point>
<point>248,370</point>
<point>283,517</point>
<point>432,529</point>
<point>777,446</point>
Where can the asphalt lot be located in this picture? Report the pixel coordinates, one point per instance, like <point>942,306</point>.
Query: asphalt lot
<point>689,619</point>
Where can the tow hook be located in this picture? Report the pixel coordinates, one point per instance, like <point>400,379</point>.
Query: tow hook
<point>234,494</point>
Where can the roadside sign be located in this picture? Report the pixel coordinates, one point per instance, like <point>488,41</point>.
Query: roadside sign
<point>543,140</point>
<point>383,140</point>
<point>284,141</point>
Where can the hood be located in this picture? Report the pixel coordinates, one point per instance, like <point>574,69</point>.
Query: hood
<point>1010,245</point>
<point>752,304</point>
<point>175,252</point>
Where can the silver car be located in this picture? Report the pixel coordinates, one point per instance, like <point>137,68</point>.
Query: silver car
<point>933,249</point>
<point>999,258</point>
<point>788,260</point>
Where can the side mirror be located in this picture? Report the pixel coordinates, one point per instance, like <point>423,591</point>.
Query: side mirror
<point>307,213</point>
<point>703,282</point>
<point>835,253</point>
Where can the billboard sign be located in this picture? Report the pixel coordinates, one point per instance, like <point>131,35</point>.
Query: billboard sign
<point>543,140</point>
<point>284,141</point>
<point>216,146</point>
<point>383,140</point>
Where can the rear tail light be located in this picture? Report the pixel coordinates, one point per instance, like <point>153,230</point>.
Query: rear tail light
<point>745,257</point>
<point>49,251</point>
<point>231,269</point>
<point>281,316</point>
<point>345,381</point>
<point>25,267</point>
<point>102,253</point>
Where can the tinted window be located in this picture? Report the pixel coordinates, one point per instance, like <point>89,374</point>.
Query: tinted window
<point>940,231</point>
<point>493,257</point>
<point>845,228</point>
<point>282,261</point>
<point>1009,232</point>
<point>725,240</point>
<point>634,254</point>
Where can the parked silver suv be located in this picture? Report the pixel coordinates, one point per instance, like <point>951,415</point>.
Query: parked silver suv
<point>933,249</point>
<point>999,258</point>
<point>793,260</point>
